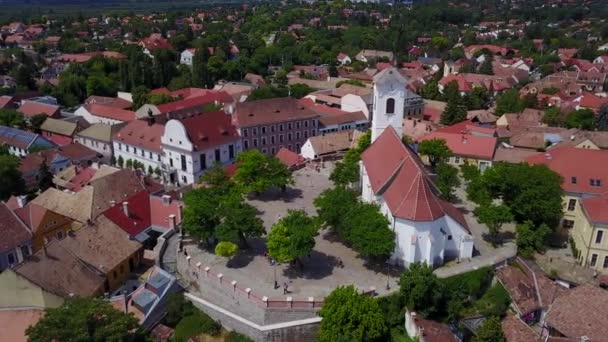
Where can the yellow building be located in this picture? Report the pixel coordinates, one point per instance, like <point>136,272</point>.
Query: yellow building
<point>590,233</point>
<point>18,291</point>
<point>44,224</point>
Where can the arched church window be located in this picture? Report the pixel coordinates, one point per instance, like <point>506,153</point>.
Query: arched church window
<point>390,106</point>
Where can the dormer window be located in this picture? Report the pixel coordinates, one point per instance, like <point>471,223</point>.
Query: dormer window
<point>390,106</point>
<point>595,182</point>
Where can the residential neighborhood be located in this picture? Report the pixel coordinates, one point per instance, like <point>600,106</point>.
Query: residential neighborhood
<point>304,171</point>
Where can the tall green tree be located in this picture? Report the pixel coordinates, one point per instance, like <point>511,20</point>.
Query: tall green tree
<point>509,102</point>
<point>258,172</point>
<point>11,181</point>
<point>201,216</point>
<point>531,238</point>
<point>11,118</point>
<point>84,319</point>
<point>447,180</point>
<point>455,111</point>
<point>367,230</point>
<point>238,220</point>
<point>333,203</point>
<point>140,96</point>
<point>350,316</point>
<point>36,122</point>
<point>292,237</point>
<point>553,117</point>
<point>602,118</point>
<point>494,216</point>
<point>436,150</point>
<point>422,291</point>
<point>582,119</point>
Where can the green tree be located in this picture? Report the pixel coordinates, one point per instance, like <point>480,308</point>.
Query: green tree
<point>455,111</point>
<point>140,96</point>
<point>238,220</point>
<point>120,162</point>
<point>430,90</point>
<point>333,203</point>
<point>422,291</point>
<point>367,230</point>
<point>36,122</point>
<point>201,216</point>
<point>258,172</point>
<point>45,177</point>
<point>494,216</point>
<point>11,118</point>
<point>602,118</point>
<point>447,179</point>
<point>509,102</point>
<point>177,308</point>
<point>486,68</point>
<point>346,171</point>
<point>12,183</point>
<point>582,119</point>
<point>158,99</point>
<point>300,90</point>
<point>292,237</point>
<point>531,238</point>
<point>436,150</point>
<point>349,316</point>
<point>226,249</point>
<point>84,319</point>
<point>553,117</point>
<point>490,331</point>
<point>470,171</point>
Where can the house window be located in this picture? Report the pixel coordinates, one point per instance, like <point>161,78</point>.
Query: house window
<point>171,162</point>
<point>142,153</point>
<point>390,106</point>
<point>59,235</point>
<point>263,141</point>
<point>571,204</point>
<point>281,138</point>
<point>203,161</point>
<point>595,182</point>
<point>120,147</point>
<point>272,139</point>
<point>297,135</point>
<point>11,258</point>
<point>605,262</point>
<point>134,150</point>
<point>281,127</point>
<point>217,155</point>
<point>150,155</point>
<point>289,125</point>
<point>231,151</point>
<point>298,125</point>
<point>599,236</point>
<point>246,144</point>
<point>272,151</point>
<point>593,260</point>
<point>255,131</point>
<point>568,224</point>
<point>25,250</point>
<point>255,142</point>
<point>449,237</point>
<point>245,132</point>
<point>263,129</point>
<point>457,159</point>
<point>289,136</point>
<point>305,134</point>
<point>305,123</point>
<point>573,180</point>
<point>127,148</point>
<point>183,160</point>
<point>272,129</point>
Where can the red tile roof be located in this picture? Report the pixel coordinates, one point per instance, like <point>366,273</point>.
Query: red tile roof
<point>593,101</point>
<point>580,312</point>
<point>516,330</point>
<point>467,145</point>
<point>142,134</point>
<point>210,129</point>
<point>5,101</point>
<point>110,112</point>
<point>596,208</point>
<point>160,211</point>
<point>196,101</point>
<point>289,158</point>
<point>31,108</point>
<point>578,165</point>
<point>13,232</point>
<point>270,111</point>
<point>396,173</point>
<point>139,214</point>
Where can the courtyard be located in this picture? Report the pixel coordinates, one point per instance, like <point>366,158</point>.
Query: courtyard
<point>322,270</point>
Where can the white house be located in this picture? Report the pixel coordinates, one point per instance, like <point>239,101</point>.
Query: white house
<point>139,141</point>
<point>427,228</point>
<point>343,59</point>
<point>194,144</point>
<point>187,56</point>
<point>96,113</point>
<point>98,137</point>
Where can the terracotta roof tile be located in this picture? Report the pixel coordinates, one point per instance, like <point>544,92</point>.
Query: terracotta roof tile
<point>479,147</point>
<point>32,108</point>
<point>210,129</point>
<point>270,111</point>
<point>289,158</point>
<point>583,311</point>
<point>516,330</point>
<point>110,112</point>
<point>142,134</point>
<point>596,208</point>
<point>13,232</point>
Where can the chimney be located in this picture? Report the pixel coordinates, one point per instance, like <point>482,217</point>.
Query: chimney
<point>172,222</point>
<point>125,208</point>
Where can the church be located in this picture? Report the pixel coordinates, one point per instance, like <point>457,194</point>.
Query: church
<point>427,228</point>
